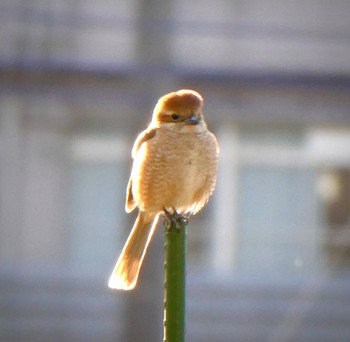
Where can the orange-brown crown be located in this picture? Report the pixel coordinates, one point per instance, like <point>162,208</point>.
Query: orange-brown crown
<point>182,102</point>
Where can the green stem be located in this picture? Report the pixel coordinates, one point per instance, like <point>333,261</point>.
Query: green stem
<point>174,281</point>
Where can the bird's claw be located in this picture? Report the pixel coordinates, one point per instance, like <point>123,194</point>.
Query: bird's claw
<point>175,218</point>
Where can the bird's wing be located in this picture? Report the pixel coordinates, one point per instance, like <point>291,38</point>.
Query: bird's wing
<point>144,136</point>
<point>130,203</point>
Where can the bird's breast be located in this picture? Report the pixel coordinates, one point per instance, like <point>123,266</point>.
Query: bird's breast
<point>177,170</point>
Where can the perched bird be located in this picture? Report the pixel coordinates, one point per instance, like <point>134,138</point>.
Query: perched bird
<point>174,172</point>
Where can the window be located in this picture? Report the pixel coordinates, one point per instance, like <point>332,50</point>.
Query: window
<point>277,220</point>
<point>269,216</point>
<point>98,186</point>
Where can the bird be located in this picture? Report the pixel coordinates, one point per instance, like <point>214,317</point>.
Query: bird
<point>173,173</point>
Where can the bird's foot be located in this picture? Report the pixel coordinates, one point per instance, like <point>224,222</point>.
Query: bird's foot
<point>176,219</point>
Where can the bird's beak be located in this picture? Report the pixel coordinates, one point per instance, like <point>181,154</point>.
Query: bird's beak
<point>192,120</point>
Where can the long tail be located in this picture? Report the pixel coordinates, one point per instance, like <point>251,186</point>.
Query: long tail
<point>127,268</point>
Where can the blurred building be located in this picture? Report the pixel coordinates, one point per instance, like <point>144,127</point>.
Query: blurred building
<point>269,258</point>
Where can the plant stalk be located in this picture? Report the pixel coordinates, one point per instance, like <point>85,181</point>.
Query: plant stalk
<point>175,281</point>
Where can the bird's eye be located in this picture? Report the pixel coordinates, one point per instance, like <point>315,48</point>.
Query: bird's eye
<point>175,117</point>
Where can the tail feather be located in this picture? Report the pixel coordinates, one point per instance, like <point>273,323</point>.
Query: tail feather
<point>127,268</point>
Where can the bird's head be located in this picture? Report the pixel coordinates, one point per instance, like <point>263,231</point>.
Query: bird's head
<point>180,111</point>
